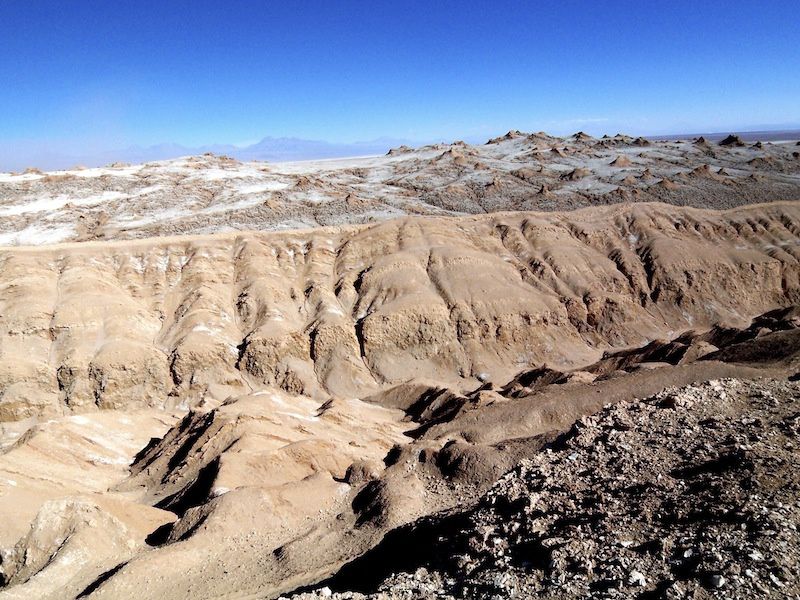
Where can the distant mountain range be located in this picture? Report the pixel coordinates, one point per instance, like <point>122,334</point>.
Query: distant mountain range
<point>272,149</point>
<point>269,148</point>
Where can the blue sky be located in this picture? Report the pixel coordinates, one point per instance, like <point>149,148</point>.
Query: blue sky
<point>105,74</point>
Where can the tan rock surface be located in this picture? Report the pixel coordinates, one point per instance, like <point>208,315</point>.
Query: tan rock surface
<point>343,313</point>
<point>240,414</point>
<point>207,194</point>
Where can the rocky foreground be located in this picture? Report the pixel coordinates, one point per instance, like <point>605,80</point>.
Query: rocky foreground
<point>691,493</point>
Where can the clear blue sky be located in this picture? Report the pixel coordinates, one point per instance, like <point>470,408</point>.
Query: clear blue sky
<point>110,73</point>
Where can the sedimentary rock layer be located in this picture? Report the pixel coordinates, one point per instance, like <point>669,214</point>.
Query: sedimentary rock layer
<point>347,312</point>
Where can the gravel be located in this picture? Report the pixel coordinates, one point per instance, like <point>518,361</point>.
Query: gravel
<point>692,493</point>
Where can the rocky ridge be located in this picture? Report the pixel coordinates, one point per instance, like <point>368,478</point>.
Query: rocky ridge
<point>691,493</point>
<point>518,171</point>
<point>347,313</point>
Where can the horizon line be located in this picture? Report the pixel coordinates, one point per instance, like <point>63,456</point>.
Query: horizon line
<point>107,157</point>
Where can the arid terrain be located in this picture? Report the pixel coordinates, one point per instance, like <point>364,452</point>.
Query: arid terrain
<point>539,367</point>
<point>519,172</point>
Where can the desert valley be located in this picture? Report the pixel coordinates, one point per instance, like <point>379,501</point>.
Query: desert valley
<point>535,367</point>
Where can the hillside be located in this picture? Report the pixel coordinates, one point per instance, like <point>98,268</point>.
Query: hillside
<point>526,172</point>
<point>229,380</point>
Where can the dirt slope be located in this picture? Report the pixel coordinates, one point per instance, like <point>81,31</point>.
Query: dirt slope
<point>689,493</point>
<point>241,415</point>
<point>348,312</point>
<point>268,535</point>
